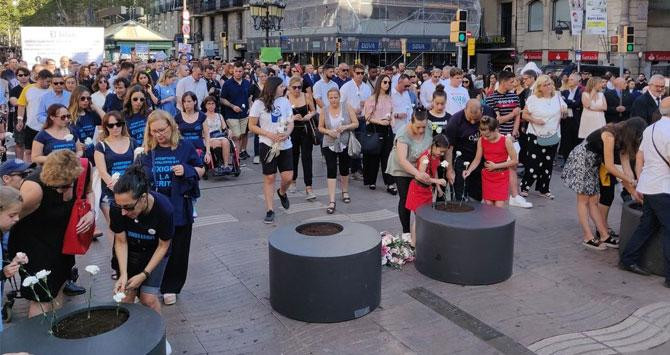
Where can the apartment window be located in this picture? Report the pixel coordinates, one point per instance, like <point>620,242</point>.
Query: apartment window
<point>560,13</point>
<point>535,16</point>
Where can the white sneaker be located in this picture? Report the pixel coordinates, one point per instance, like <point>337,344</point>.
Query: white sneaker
<point>519,201</point>
<point>257,160</point>
<point>169,299</point>
<point>168,348</point>
<point>292,189</point>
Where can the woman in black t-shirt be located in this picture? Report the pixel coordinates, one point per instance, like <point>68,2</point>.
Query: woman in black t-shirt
<point>142,222</point>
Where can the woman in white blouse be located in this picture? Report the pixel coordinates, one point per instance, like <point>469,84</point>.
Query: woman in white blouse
<point>593,99</point>
<point>544,110</point>
<point>101,88</point>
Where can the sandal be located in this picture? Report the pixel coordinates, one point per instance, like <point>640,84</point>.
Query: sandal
<point>594,244</point>
<point>391,189</point>
<point>548,196</point>
<point>331,207</point>
<point>523,193</point>
<point>345,197</point>
<point>373,187</point>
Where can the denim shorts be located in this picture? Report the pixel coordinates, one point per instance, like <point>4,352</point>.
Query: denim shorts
<point>137,263</point>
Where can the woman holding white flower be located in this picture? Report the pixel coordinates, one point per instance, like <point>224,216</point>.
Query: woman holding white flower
<point>271,118</point>
<point>336,124</point>
<point>84,119</point>
<point>10,207</point>
<point>48,197</point>
<point>142,223</point>
<point>113,155</point>
<point>56,135</point>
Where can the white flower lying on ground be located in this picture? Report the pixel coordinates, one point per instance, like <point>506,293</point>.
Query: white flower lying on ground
<point>68,137</point>
<point>30,281</point>
<point>92,269</point>
<point>119,296</point>
<point>42,274</point>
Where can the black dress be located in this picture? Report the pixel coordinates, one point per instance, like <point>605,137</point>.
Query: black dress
<point>40,236</point>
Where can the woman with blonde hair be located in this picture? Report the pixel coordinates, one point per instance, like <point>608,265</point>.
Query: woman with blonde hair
<point>48,197</point>
<point>174,169</point>
<point>593,100</point>
<point>167,92</point>
<point>544,110</point>
<point>302,136</point>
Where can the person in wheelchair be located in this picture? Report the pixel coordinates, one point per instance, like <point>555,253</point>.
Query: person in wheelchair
<point>219,142</point>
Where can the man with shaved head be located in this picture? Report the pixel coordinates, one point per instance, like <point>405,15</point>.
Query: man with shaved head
<point>646,106</point>
<point>619,102</point>
<point>463,133</point>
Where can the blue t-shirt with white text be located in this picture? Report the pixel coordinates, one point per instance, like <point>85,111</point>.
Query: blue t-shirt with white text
<point>52,144</point>
<point>192,132</point>
<point>136,125</point>
<point>158,164</point>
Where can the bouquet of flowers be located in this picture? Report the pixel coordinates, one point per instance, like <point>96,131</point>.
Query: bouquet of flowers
<point>396,250</point>
<point>276,146</point>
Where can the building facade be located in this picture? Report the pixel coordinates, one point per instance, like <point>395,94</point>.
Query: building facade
<point>539,32</point>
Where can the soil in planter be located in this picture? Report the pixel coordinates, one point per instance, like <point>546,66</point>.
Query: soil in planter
<point>454,207</point>
<point>78,325</point>
<point>319,229</point>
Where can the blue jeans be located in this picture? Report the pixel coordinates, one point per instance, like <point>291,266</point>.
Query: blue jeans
<point>655,216</point>
<point>356,165</point>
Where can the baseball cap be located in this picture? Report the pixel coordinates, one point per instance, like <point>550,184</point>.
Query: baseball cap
<point>14,166</point>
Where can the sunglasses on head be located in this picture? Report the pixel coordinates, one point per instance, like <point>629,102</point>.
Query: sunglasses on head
<point>136,99</point>
<point>116,124</point>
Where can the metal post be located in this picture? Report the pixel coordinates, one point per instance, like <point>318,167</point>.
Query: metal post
<point>267,26</point>
<point>621,65</point>
<point>468,67</point>
<point>459,56</point>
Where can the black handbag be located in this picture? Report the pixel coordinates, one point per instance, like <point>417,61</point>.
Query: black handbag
<point>312,127</point>
<point>371,144</point>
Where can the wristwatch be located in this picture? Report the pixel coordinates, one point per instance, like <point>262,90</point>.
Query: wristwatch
<point>146,274</point>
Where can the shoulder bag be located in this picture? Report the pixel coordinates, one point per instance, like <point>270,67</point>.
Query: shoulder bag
<point>312,127</point>
<point>371,143</point>
<point>74,243</point>
<point>656,148</point>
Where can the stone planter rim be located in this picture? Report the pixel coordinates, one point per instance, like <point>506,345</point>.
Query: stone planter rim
<point>293,243</point>
<point>494,216</point>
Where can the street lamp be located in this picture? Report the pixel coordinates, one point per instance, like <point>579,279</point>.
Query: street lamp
<point>639,62</point>
<point>267,15</point>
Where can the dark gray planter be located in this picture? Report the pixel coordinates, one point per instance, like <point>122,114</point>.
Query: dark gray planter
<point>465,248</point>
<point>142,333</point>
<point>323,279</point>
<point>652,252</point>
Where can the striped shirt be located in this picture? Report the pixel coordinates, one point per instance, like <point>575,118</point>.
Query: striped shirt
<point>504,104</point>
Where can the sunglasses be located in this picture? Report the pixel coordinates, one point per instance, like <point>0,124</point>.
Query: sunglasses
<point>295,87</point>
<point>385,82</point>
<point>359,73</point>
<point>58,83</point>
<point>21,75</point>
<point>136,99</point>
<point>116,124</point>
<point>126,207</point>
<point>64,117</point>
<point>466,82</point>
<point>85,98</point>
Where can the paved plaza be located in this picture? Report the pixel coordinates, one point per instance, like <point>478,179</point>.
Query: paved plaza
<point>561,297</point>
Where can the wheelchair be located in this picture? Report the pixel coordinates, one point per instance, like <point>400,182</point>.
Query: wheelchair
<point>213,169</point>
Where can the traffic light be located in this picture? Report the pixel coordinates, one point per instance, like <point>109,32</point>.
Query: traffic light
<point>614,44</point>
<point>338,44</point>
<point>462,18</point>
<point>629,38</point>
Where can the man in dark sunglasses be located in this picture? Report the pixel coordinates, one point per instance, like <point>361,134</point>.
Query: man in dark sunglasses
<point>14,171</point>
<point>56,95</point>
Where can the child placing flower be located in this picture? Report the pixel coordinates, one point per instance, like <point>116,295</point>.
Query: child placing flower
<point>10,207</point>
<point>419,193</point>
<point>499,155</point>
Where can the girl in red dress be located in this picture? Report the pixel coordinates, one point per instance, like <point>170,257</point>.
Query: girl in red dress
<point>419,193</point>
<point>499,155</point>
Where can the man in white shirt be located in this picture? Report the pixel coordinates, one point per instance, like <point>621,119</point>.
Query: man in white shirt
<point>402,104</point>
<point>653,168</point>
<point>446,72</point>
<point>29,104</point>
<point>322,86</point>
<point>401,71</point>
<point>428,88</point>
<point>354,93</point>
<point>457,95</point>
<point>194,83</point>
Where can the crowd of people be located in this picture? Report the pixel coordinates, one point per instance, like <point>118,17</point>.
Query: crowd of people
<point>150,130</point>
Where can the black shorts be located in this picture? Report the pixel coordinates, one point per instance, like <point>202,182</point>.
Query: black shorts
<point>29,137</point>
<point>283,162</point>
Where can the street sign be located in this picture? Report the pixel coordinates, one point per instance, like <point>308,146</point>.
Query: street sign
<point>578,55</point>
<point>471,46</point>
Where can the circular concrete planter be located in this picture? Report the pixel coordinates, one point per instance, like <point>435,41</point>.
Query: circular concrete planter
<point>652,252</point>
<point>325,278</point>
<point>466,248</point>
<point>142,333</point>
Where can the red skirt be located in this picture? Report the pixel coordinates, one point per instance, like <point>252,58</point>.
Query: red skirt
<point>418,196</point>
<point>495,185</point>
